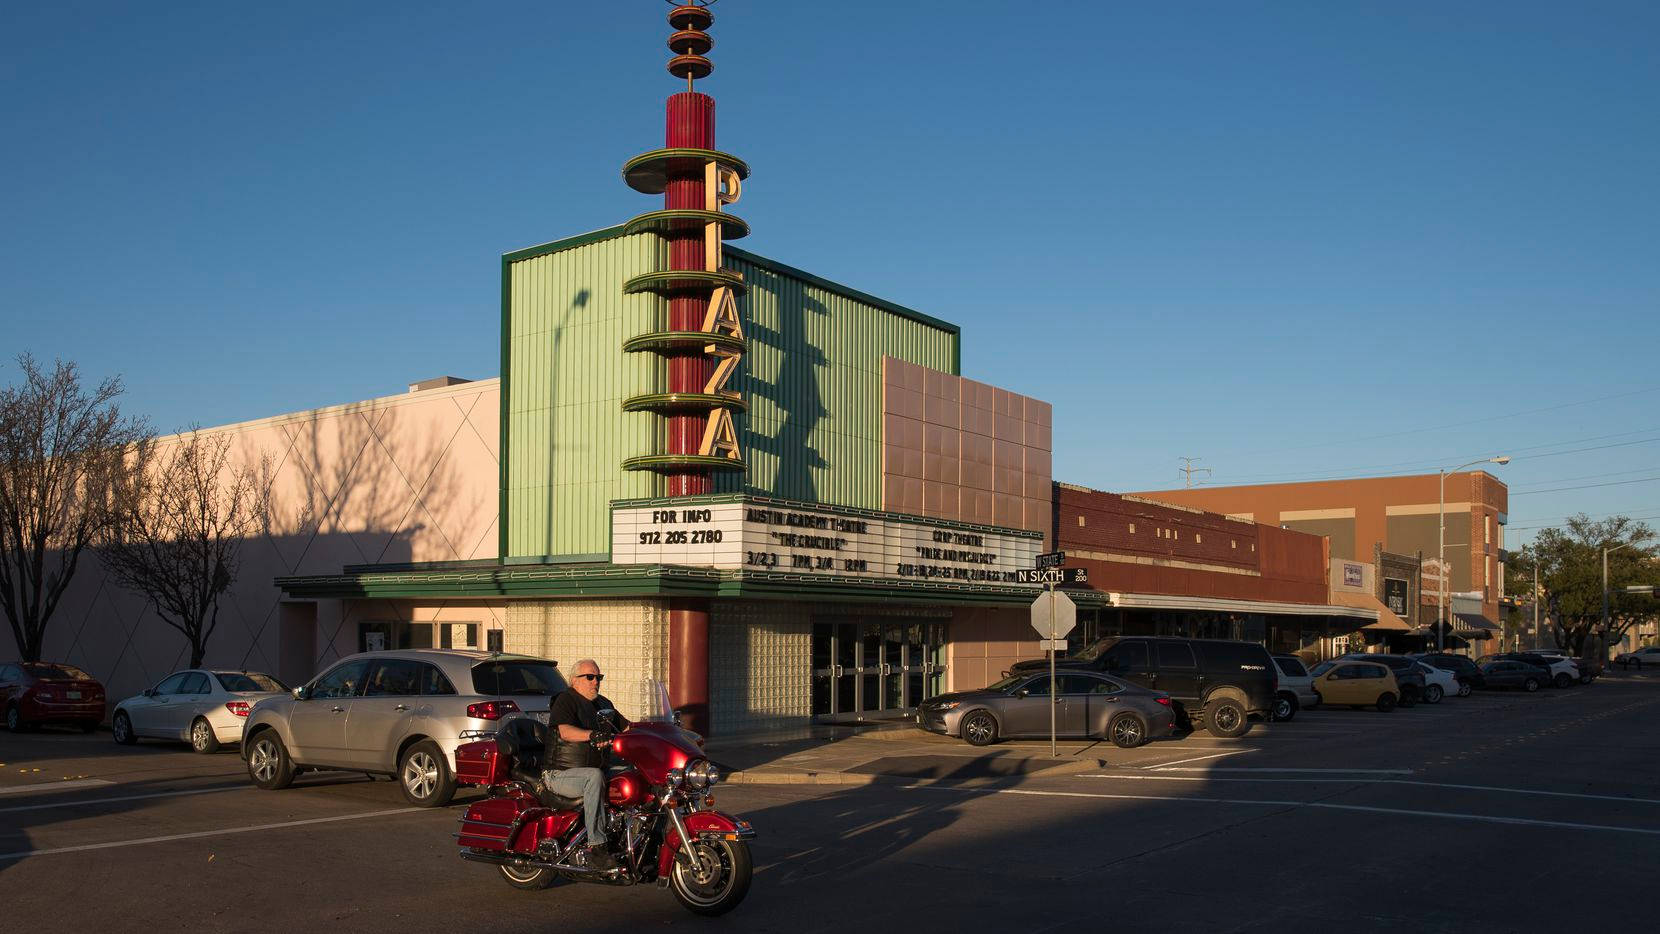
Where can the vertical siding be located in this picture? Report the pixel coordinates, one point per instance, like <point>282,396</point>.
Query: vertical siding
<point>813,380</point>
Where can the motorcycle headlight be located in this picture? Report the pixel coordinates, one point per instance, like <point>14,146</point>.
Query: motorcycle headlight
<point>700,774</point>
<point>675,777</point>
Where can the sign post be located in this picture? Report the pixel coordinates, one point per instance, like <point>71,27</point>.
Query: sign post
<point>1053,616</point>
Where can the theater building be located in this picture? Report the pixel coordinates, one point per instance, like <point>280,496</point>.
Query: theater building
<point>775,492</point>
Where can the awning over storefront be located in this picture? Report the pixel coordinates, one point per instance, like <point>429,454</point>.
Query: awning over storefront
<point>1475,626</point>
<point>1159,601</point>
<point>1386,620</point>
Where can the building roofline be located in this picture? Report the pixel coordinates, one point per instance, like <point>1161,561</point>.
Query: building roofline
<point>1333,481</point>
<point>847,291</point>
<point>341,408</point>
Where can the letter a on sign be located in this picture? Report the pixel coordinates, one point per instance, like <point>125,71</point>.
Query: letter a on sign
<point>720,438</point>
<point>722,316</point>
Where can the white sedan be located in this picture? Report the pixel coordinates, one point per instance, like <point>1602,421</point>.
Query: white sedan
<point>1438,683</point>
<point>201,707</point>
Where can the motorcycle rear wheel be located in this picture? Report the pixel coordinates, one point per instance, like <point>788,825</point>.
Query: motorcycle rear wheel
<point>724,882</point>
<point>529,878</point>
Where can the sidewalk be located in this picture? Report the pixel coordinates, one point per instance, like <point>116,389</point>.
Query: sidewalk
<point>890,752</point>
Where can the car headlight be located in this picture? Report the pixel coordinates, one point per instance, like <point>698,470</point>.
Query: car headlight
<point>943,706</point>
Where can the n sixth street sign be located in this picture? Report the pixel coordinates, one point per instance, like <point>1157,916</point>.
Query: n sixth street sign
<point>1052,576</point>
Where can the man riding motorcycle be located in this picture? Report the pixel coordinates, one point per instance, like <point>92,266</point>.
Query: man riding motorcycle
<point>576,768</point>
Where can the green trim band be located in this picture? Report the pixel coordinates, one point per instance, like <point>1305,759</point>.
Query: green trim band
<point>658,341</point>
<point>676,463</point>
<point>647,173</point>
<point>670,281</point>
<point>683,220</point>
<point>683,402</point>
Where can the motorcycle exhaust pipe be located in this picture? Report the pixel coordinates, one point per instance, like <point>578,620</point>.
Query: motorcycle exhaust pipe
<point>504,857</point>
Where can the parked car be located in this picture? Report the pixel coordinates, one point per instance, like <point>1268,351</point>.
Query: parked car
<point>1563,671</point>
<point>1647,655</point>
<point>1356,683</point>
<point>200,706</point>
<point>33,693</point>
<point>1086,704</point>
<point>1438,682</point>
<point>1296,688</point>
<point>399,713</point>
<point>1216,683</point>
<point>1463,667</point>
<point>1408,680</point>
<point>1508,673</point>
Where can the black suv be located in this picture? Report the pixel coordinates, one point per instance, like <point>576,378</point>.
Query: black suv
<point>1411,681</point>
<point>1217,683</point>
<point>1463,668</point>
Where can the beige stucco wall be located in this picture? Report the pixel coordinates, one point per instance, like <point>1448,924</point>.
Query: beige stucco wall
<point>410,477</point>
<point>984,642</point>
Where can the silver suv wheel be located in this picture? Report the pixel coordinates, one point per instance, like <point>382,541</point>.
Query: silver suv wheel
<point>420,775</point>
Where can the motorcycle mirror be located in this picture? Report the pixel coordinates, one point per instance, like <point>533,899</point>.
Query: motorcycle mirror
<point>677,716</point>
<point>608,715</point>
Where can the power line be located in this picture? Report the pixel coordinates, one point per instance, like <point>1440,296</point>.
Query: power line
<point>1474,421</point>
<point>1595,476</point>
<point>1588,486</point>
<point>1532,528</point>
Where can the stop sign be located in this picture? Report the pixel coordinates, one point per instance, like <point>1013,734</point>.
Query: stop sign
<point>1054,614</point>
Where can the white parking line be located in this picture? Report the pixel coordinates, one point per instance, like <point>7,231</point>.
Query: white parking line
<point>204,833</point>
<point>88,803</point>
<point>1367,781</point>
<point>55,786</point>
<point>1219,755</point>
<point>1223,768</point>
<point>1324,805</point>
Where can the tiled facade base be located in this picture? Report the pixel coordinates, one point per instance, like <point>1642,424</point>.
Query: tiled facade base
<point>760,661</point>
<point>629,639</point>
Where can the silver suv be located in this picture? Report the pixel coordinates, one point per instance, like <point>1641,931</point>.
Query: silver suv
<point>399,713</point>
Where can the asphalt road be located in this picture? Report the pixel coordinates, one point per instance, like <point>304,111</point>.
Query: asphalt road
<point>1501,812</point>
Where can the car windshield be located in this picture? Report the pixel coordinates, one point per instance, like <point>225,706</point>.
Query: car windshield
<point>249,681</point>
<point>51,672</point>
<point>1007,684</point>
<point>516,678</point>
<point>1093,651</point>
<point>1321,669</point>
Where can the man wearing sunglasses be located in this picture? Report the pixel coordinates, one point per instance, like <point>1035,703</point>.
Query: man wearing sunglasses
<point>577,769</point>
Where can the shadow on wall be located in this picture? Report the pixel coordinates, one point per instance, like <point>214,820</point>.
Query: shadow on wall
<point>367,485</point>
<point>794,392</point>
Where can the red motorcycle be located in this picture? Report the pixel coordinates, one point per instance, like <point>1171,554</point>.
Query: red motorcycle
<point>659,820</point>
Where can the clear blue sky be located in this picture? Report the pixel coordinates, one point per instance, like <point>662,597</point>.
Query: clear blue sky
<point>1296,239</point>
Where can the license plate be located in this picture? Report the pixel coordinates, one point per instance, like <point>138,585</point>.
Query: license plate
<point>72,695</point>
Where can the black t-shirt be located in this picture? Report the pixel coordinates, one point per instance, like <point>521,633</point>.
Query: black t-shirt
<point>578,711</point>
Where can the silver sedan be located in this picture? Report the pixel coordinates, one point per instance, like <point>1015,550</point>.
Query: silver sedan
<point>203,707</point>
<point>1087,704</point>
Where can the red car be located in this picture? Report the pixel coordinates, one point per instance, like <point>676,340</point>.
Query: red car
<point>32,693</point>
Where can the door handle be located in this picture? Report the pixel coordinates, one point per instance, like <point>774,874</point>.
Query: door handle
<point>838,671</point>
<point>401,707</point>
<point>338,709</point>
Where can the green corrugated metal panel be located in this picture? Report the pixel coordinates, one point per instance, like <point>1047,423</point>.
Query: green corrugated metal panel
<point>812,378</point>
<point>567,432</point>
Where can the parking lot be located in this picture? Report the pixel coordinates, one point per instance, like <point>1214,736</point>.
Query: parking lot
<point>1502,811</point>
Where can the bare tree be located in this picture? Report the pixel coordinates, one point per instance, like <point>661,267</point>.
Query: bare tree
<point>178,542</point>
<point>67,462</point>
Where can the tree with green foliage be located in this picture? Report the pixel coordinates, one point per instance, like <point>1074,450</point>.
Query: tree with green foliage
<point>1569,560</point>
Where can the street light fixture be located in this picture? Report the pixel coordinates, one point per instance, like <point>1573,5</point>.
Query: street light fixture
<point>1441,612</point>
<point>1605,553</point>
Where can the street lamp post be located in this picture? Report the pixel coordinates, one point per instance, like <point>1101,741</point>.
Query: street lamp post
<point>1441,611</point>
<point>1605,553</point>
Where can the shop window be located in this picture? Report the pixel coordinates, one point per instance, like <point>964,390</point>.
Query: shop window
<point>1198,539</point>
<point>1132,528</point>
<point>1080,522</point>
<point>493,640</point>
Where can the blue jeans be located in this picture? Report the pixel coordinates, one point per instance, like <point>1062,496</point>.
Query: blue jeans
<point>587,784</point>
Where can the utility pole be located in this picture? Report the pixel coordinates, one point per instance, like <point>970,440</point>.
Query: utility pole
<point>1187,469</point>
<point>1536,636</point>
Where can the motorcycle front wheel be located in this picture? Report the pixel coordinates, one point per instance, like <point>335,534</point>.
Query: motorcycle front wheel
<point>720,884</point>
<point>529,878</point>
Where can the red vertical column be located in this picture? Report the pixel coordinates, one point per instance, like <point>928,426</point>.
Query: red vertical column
<point>691,125</point>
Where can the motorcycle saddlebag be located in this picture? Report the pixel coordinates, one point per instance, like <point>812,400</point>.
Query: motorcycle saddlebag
<point>480,763</point>
<point>488,823</point>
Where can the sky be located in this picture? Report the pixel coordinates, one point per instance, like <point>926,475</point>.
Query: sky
<point>1295,240</point>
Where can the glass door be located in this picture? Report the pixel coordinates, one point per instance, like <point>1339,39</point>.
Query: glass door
<point>875,667</point>
<point>835,671</point>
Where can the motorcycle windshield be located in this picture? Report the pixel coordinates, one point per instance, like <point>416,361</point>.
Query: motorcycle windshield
<point>654,702</point>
